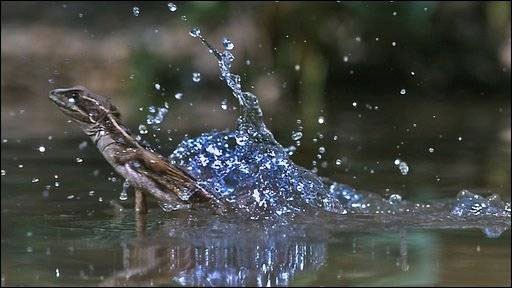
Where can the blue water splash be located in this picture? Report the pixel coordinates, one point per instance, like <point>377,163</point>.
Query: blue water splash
<point>250,169</point>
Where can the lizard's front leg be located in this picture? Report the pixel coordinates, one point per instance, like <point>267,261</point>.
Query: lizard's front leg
<point>140,197</point>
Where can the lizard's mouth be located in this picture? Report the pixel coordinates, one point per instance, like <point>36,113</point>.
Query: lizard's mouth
<point>57,98</point>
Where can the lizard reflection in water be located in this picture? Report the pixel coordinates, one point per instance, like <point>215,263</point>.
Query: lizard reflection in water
<point>144,169</point>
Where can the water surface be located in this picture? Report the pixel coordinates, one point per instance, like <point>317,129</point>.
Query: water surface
<point>68,237</point>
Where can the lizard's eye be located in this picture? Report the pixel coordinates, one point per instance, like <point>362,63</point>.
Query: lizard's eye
<point>73,97</point>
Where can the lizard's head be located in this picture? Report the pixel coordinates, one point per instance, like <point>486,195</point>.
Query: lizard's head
<point>82,105</point>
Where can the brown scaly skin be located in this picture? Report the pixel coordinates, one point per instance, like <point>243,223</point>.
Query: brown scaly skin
<point>145,170</point>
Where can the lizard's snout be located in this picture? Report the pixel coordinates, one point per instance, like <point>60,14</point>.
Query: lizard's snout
<point>57,97</point>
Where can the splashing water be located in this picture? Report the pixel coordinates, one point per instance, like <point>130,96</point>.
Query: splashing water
<point>157,115</point>
<point>172,7</point>
<point>124,193</point>
<point>196,77</point>
<point>402,166</point>
<point>136,11</point>
<point>250,169</point>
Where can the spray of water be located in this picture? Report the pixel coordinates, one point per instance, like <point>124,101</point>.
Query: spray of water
<point>250,169</point>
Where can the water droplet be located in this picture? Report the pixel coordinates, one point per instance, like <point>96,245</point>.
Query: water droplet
<point>321,120</point>
<point>196,77</point>
<point>402,166</point>
<point>35,180</point>
<point>412,73</point>
<point>143,129</point>
<point>395,199</point>
<point>393,43</point>
<point>297,67</point>
<point>460,138</point>
<point>172,6</point>
<point>345,58</point>
<point>80,15</point>
<point>195,32</point>
<point>228,44</point>
<point>51,81</point>
<point>321,149</point>
<point>2,172</point>
<point>41,149</point>
<point>431,150</point>
<point>79,160</point>
<point>178,95</point>
<point>157,86</point>
<point>57,273</point>
<point>358,39</point>
<point>71,196</point>
<point>338,162</point>
<point>184,18</point>
<point>91,193</point>
<point>394,13</point>
<point>82,145</point>
<point>135,11</point>
<point>403,91</point>
<point>124,193</point>
<point>296,136</point>
<point>45,193</point>
<point>354,104</point>
<point>224,104</point>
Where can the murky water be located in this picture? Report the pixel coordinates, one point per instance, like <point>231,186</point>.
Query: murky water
<point>66,224</point>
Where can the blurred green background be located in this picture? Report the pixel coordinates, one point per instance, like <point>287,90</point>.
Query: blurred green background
<point>303,60</point>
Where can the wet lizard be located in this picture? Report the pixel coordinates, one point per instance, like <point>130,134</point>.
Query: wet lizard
<point>147,171</point>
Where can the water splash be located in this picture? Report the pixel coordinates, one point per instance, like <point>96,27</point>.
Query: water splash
<point>196,77</point>
<point>172,7</point>
<point>250,169</point>
<point>402,166</point>
<point>124,193</point>
<point>136,11</point>
<point>469,204</point>
<point>156,116</point>
<point>228,45</point>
